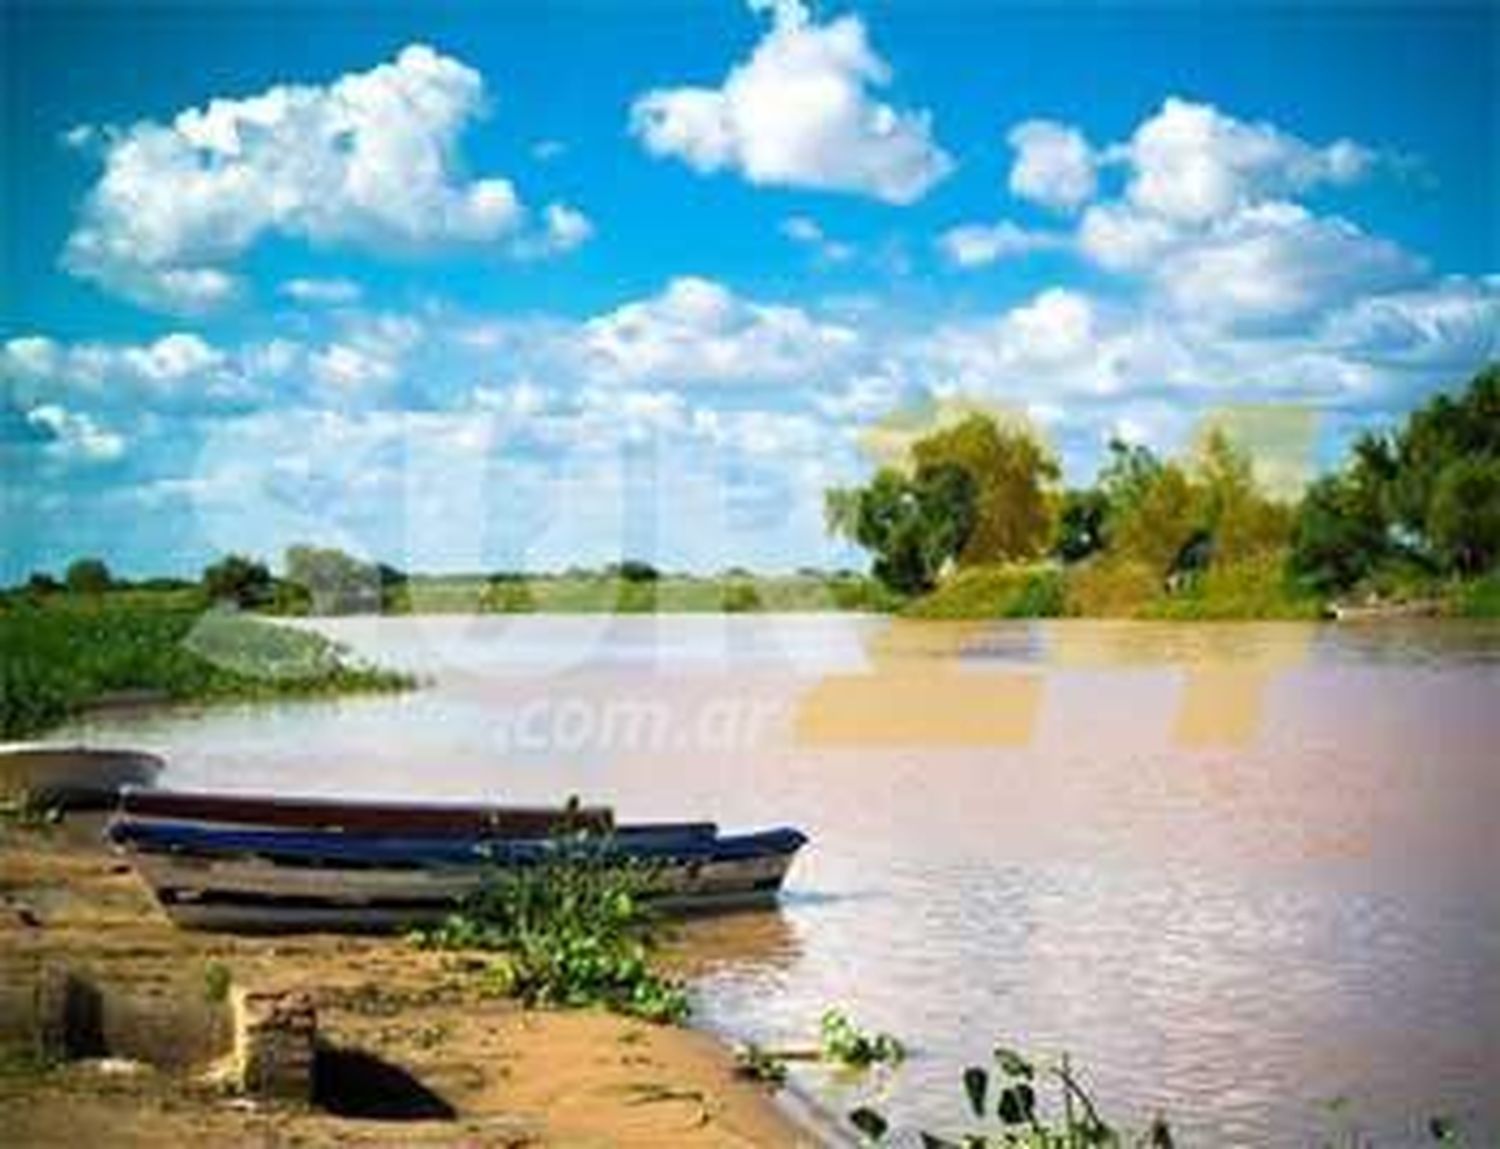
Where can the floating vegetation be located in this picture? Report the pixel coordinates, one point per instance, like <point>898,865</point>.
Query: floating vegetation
<point>68,654</point>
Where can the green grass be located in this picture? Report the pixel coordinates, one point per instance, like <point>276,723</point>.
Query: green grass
<point>1479,598</point>
<point>69,652</point>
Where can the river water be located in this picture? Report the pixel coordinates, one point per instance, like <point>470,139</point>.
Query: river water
<point>1246,875</point>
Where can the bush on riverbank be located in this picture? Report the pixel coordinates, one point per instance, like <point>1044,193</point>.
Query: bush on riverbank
<point>1479,599</point>
<point>571,931</point>
<point>76,651</point>
<point>996,591</point>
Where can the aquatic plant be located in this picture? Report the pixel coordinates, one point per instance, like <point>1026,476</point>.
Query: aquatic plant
<point>62,656</point>
<point>569,931</point>
<point>843,1042</point>
<point>1006,1102</point>
<point>756,1063</point>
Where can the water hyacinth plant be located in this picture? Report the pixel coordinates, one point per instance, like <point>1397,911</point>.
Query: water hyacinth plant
<point>570,931</point>
<point>1005,1102</point>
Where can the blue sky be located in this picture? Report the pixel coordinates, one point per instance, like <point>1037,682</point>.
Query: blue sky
<point>474,286</point>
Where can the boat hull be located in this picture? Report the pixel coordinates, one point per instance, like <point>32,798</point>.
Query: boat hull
<point>359,817</point>
<point>72,777</point>
<point>229,879</point>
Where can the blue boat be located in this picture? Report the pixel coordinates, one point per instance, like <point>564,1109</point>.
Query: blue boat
<point>224,875</point>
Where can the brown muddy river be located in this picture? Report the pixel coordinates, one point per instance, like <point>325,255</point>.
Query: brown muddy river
<point>1238,872</point>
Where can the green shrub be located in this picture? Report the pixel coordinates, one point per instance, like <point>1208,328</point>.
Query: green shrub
<point>994,591</point>
<point>569,931</point>
<point>1480,598</point>
<point>1252,588</point>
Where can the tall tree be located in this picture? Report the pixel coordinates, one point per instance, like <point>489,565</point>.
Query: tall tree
<point>1012,475</point>
<point>1340,534</point>
<point>238,580</point>
<point>914,526</point>
<point>1463,520</point>
<point>88,576</point>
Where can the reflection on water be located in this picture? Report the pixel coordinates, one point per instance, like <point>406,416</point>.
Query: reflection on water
<point>1235,870</point>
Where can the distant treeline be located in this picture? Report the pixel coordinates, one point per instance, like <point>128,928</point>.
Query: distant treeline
<point>328,581</point>
<point>975,523</point>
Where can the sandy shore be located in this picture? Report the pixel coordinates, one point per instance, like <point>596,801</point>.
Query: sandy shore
<point>419,1056</point>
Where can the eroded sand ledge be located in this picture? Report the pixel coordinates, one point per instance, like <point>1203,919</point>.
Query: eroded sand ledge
<point>420,1057</point>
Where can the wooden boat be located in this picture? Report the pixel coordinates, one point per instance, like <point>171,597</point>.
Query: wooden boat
<point>225,876</point>
<point>60,776</point>
<point>413,819</point>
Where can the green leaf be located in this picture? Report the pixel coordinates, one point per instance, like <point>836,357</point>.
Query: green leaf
<point>868,1122</point>
<point>1017,1104</point>
<point>1012,1064</point>
<point>977,1086</point>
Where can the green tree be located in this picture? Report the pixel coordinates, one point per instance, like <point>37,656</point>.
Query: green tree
<point>1463,520</point>
<point>1127,474</point>
<point>88,576</point>
<point>1158,522</point>
<point>1081,524</point>
<point>1241,522</point>
<point>633,570</point>
<point>1340,534</point>
<point>1417,496</point>
<point>914,526</point>
<point>239,580</point>
<point>41,583</point>
<point>1011,473</point>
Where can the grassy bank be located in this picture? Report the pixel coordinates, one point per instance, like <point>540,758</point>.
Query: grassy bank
<point>1248,590</point>
<point>1116,589</point>
<point>74,651</point>
<point>995,592</point>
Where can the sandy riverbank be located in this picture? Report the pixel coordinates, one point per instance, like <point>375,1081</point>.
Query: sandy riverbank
<point>420,1057</point>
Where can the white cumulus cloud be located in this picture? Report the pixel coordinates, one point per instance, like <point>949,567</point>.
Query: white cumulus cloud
<point>370,160</point>
<point>800,112</point>
<point>1191,163</point>
<point>74,436</point>
<point>1054,165</point>
<point>976,245</point>
<point>698,331</point>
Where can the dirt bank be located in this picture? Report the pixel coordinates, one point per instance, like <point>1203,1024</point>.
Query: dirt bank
<point>411,1053</point>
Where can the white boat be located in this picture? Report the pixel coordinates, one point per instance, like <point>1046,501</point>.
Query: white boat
<point>53,775</point>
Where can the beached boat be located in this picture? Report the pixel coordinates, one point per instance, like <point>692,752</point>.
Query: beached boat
<point>224,876</point>
<point>1375,610</point>
<point>52,775</point>
<point>411,819</point>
